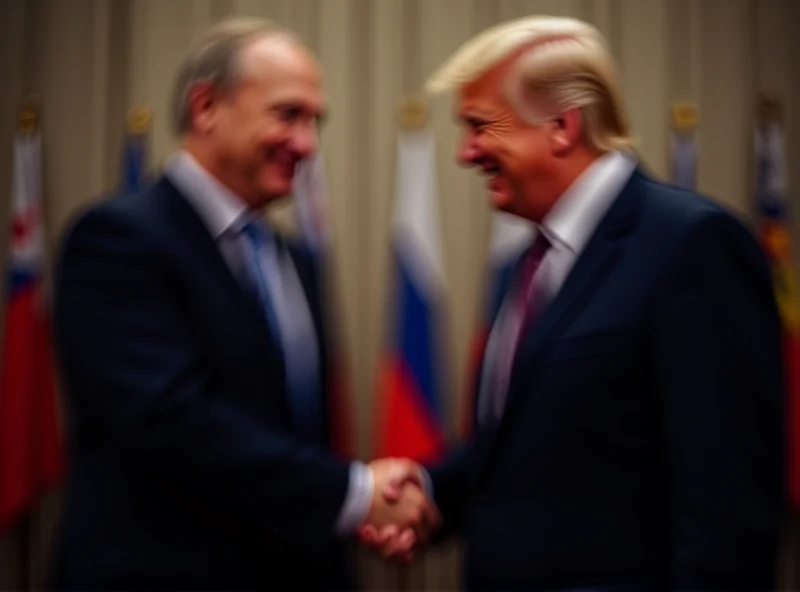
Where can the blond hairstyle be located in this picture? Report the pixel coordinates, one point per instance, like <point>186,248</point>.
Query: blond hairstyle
<point>563,63</point>
<point>216,59</point>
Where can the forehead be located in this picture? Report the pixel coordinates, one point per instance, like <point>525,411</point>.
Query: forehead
<point>483,95</point>
<point>284,71</point>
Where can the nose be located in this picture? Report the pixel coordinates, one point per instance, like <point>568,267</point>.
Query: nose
<point>468,152</point>
<point>305,140</point>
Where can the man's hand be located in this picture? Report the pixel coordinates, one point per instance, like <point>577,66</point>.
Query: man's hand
<point>401,517</point>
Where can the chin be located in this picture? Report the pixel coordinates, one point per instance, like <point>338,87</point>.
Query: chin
<point>277,190</point>
<point>504,203</point>
<point>500,201</point>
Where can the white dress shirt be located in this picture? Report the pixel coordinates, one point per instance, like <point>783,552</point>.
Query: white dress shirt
<point>224,214</point>
<point>568,226</point>
<point>574,218</point>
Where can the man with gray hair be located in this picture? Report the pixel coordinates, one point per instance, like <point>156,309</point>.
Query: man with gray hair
<point>193,354</point>
<point>629,416</point>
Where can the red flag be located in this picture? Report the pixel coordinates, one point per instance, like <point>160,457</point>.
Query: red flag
<point>31,457</point>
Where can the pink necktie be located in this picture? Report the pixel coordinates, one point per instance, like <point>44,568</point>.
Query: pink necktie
<point>528,298</point>
<point>525,311</point>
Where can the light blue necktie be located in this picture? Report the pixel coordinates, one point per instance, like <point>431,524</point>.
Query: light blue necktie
<point>302,371</point>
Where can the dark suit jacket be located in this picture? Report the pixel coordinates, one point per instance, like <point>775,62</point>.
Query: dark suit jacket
<point>642,443</point>
<point>185,473</point>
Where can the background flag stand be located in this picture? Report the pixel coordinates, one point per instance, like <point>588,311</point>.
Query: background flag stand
<point>134,156</point>
<point>683,152</point>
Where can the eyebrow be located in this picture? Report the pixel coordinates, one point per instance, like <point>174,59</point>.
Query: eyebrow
<point>321,117</point>
<point>471,118</point>
<point>474,113</point>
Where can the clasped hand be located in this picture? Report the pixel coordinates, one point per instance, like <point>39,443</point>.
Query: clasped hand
<point>401,517</point>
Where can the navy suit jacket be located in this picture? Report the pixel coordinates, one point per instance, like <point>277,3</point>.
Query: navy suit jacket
<point>642,443</point>
<point>185,473</point>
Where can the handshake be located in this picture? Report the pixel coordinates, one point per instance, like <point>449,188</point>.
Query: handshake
<point>401,517</point>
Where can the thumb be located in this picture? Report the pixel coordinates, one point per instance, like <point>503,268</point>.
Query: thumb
<point>391,490</point>
<point>403,472</point>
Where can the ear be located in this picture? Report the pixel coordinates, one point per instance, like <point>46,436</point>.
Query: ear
<point>567,131</point>
<point>203,102</point>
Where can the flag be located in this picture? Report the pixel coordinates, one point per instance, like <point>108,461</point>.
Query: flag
<point>133,176</point>
<point>510,236</point>
<point>31,456</point>
<point>683,149</point>
<point>312,199</point>
<point>410,384</point>
<point>773,220</point>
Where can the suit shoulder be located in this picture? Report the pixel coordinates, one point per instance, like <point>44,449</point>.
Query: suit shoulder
<point>110,218</point>
<point>693,231</point>
<point>682,213</point>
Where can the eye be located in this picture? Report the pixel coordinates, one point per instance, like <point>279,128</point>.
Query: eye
<point>289,114</point>
<point>476,125</point>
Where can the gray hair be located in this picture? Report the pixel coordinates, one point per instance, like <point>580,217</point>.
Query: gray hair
<point>216,59</point>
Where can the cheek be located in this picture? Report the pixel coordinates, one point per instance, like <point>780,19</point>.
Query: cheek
<point>493,146</point>
<point>272,134</point>
<point>526,156</point>
<point>512,155</point>
<point>236,136</point>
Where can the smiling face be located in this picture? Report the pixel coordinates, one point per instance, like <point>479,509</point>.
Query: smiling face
<point>260,131</point>
<point>516,156</point>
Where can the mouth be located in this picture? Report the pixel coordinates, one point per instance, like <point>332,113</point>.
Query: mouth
<point>492,172</point>
<point>286,164</point>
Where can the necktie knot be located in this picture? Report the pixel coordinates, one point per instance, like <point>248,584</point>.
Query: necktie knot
<point>533,259</point>
<point>539,246</point>
<point>256,234</point>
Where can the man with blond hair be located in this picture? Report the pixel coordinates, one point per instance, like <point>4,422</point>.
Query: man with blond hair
<point>194,356</point>
<point>629,416</point>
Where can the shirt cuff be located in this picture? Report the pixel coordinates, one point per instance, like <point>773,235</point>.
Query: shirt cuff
<point>427,483</point>
<point>358,500</point>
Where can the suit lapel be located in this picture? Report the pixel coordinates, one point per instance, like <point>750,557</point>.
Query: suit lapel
<point>593,265</point>
<point>482,357</point>
<point>306,265</point>
<point>591,268</point>
<point>196,236</point>
<point>307,271</point>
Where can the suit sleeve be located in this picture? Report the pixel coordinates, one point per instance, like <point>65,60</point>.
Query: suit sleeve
<point>720,387</point>
<point>450,491</point>
<point>131,360</point>
<point>450,478</point>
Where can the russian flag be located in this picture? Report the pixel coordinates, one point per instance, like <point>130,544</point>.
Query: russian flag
<point>31,456</point>
<point>510,236</point>
<point>312,201</point>
<point>411,379</point>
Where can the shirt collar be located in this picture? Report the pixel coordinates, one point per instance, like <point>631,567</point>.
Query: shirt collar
<point>220,209</point>
<point>574,217</point>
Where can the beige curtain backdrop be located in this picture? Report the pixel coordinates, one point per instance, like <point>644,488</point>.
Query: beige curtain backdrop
<point>90,61</point>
